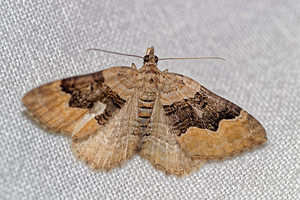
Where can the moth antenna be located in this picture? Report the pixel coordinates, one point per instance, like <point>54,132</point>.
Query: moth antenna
<point>202,58</point>
<point>113,52</point>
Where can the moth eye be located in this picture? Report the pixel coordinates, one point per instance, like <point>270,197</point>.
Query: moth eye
<point>146,58</point>
<point>156,59</point>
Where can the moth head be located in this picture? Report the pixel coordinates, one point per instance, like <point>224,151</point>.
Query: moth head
<point>150,57</point>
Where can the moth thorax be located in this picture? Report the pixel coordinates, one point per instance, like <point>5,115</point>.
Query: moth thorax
<point>148,96</point>
<point>149,69</point>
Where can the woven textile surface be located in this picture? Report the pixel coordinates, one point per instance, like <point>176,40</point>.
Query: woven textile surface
<point>42,41</point>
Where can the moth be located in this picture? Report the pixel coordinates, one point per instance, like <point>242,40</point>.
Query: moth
<point>167,118</point>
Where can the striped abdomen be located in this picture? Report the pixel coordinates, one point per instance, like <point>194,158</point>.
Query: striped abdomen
<point>145,112</point>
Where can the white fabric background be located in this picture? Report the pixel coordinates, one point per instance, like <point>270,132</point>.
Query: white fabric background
<point>43,42</point>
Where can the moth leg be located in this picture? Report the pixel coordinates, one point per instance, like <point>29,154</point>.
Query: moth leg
<point>165,71</point>
<point>133,66</point>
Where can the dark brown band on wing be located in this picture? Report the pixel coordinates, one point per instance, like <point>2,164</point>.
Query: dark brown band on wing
<point>86,90</point>
<point>113,103</point>
<point>202,111</point>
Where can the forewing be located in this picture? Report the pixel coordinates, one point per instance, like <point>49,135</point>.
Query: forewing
<point>206,125</point>
<point>97,110</point>
<point>80,104</point>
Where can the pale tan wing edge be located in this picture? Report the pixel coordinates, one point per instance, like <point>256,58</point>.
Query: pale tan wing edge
<point>206,125</point>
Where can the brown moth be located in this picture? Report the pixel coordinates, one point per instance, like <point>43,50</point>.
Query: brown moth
<point>167,118</point>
